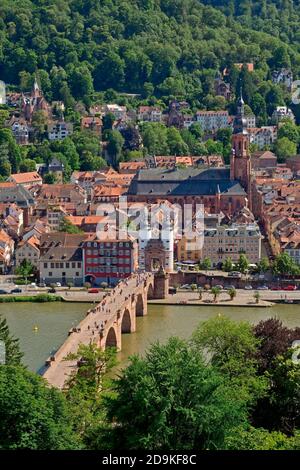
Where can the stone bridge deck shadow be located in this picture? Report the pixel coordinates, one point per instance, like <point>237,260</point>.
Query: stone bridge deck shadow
<point>104,324</point>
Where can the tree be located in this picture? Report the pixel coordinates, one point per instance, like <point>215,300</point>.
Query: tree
<point>274,340</point>
<point>156,415</point>
<point>284,265</point>
<point>216,291</point>
<point>243,263</point>
<point>67,148</point>
<point>86,385</point>
<point>205,264</point>
<point>25,270</point>
<point>263,266</point>
<point>13,355</point>
<point>285,148</point>
<point>260,439</point>
<point>224,136</point>
<point>66,226</point>
<point>256,296</point>
<point>10,154</point>
<point>176,143</point>
<point>213,147</point>
<point>90,162</point>
<point>196,130</point>
<point>33,415</point>
<point>290,131</point>
<point>49,178</point>
<point>155,138</point>
<point>108,121</point>
<point>200,292</point>
<point>115,145</point>
<point>279,410</point>
<point>27,165</point>
<point>39,122</point>
<point>231,347</point>
<point>227,265</point>
<point>4,116</point>
<point>232,293</point>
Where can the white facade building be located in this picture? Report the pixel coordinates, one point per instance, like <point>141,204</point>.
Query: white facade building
<point>212,121</point>
<point>59,130</point>
<point>282,112</point>
<point>224,242</point>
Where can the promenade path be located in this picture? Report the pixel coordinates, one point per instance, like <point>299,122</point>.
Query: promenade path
<point>103,324</point>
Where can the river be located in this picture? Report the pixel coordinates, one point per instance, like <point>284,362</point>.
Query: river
<point>55,320</point>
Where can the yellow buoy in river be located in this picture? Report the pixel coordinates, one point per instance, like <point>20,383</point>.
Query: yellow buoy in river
<point>35,328</point>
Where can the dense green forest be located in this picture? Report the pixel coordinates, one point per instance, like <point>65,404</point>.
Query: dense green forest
<point>279,18</point>
<point>156,48</point>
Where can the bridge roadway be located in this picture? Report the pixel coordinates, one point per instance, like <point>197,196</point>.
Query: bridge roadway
<point>104,324</point>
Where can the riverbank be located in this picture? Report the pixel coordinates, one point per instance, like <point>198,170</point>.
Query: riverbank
<point>243,299</point>
<point>39,298</point>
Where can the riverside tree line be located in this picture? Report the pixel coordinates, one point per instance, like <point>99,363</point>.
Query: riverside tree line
<point>231,386</point>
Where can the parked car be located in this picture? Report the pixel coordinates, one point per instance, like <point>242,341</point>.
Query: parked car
<point>186,286</point>
<point>3,292</point>
<point>58,284</point>
<point>229,287</point>
<point>291,287</point>
<point>42,284</point>
<point>276,288</point>
<point>248,287</point>
<point>93,290</point>
<point>219,286</point>
<point>17,290</point>
<point>263,288</point>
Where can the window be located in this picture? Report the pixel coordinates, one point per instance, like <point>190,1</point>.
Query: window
<point>63,274</point>
<point>73,265</point>
<point>52,265</point>
<point>50,274</point>
<point>61,265</point>
<point>78,265</point>
<point>45,265</point>
<point>77,274</point>
<point>67,265</point>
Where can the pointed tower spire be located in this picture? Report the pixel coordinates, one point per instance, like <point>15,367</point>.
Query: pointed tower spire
<point>36,91</point>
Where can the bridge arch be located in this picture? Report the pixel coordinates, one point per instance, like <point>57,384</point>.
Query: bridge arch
<point>139,306</point>
<point>126,326</point>
<point>111,338</point>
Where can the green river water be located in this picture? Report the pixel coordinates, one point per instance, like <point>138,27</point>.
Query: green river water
<point>55,320</point>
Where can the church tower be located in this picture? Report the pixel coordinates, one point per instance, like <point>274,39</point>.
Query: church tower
<point>36,92</point>
<point>240,164</point>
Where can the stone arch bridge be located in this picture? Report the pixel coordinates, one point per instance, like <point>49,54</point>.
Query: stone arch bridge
<point>105,323</point>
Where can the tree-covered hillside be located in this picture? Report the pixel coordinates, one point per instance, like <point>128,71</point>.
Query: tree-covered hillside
<point>158,48</point>
<point>279,18</point>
